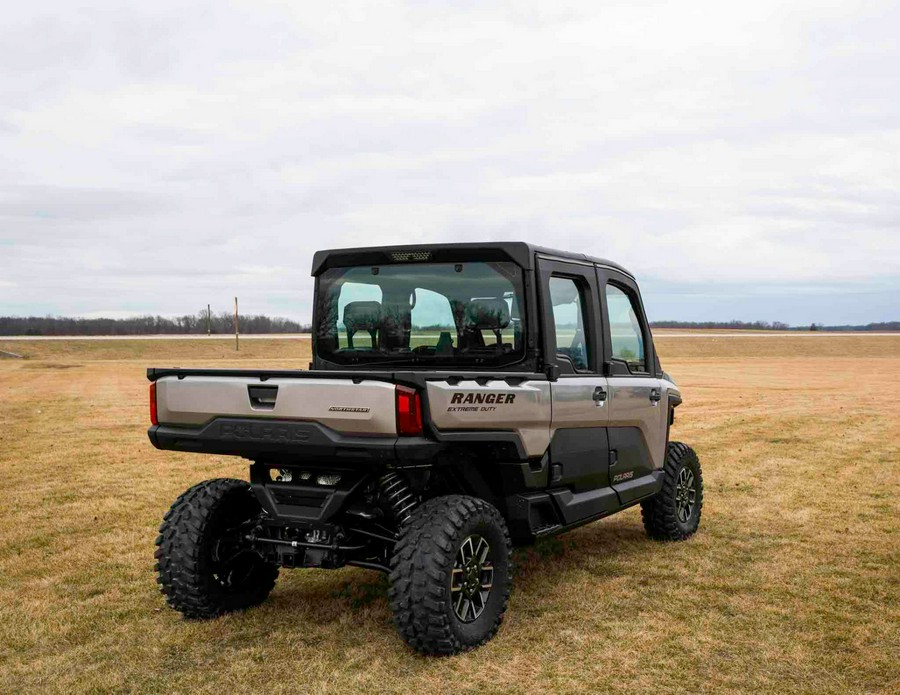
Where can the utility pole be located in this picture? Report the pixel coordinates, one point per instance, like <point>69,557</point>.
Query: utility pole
<point>237,345</point>
<point>208,322</point>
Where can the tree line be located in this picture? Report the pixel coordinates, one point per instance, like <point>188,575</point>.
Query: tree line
<point>148,325</point>
<point>223,322</point>
<point>775,326</point>
<point>739,325</point>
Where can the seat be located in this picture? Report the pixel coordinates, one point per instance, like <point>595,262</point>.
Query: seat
<point>362,316</point>
<point>488,314</point>
<point>396,320</point>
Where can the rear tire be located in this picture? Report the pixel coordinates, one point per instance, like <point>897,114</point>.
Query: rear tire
<point>673,514</point>
<point>203,568</point>
<point>450,575</point>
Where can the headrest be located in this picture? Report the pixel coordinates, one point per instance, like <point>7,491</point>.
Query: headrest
<point>395,315</point>
<point>362,316</point>
<point>490,314</point>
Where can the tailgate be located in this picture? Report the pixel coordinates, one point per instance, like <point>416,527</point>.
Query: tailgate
<point>346,406</point>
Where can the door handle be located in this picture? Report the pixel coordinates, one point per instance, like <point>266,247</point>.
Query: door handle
<point>599,396</point>
<point>655,396</point>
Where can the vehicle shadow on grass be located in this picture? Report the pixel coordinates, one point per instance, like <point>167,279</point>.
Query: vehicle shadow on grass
<point>320,597</point>
<point>599,549</point>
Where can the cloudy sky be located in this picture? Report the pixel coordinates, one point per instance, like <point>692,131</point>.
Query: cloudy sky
<point>743,159</point>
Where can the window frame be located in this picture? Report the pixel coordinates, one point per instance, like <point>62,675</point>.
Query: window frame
<point>614,366</point>
<point>585,280</point>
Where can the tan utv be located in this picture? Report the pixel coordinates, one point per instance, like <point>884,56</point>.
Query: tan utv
<point>461,398</point>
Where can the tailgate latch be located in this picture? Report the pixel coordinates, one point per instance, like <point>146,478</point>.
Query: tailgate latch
<point>263,397</point>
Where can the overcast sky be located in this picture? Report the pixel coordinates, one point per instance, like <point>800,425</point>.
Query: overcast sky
<point>742,159</point>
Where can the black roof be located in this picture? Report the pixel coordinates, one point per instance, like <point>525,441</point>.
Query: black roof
<point>518,251</point>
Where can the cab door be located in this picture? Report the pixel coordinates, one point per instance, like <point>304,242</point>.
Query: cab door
<point>579,446</point>
<point>637,420</point>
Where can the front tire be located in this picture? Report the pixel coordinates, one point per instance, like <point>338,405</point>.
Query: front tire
<point>673,514</point>
<point>450,575</point>
<point>204,570</point>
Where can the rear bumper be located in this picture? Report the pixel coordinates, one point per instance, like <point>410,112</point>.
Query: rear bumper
<point>286,440</point>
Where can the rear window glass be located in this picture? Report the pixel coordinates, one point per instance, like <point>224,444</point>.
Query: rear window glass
<point>422,313</point>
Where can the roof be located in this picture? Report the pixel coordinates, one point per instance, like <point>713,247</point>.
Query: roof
<point>517,251</point>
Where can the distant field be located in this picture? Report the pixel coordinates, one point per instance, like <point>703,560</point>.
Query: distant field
<point>792,584</point>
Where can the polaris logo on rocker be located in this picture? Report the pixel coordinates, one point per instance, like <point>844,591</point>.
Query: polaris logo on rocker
<point>465,402</point>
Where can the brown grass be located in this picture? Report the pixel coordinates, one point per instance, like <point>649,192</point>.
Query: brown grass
<point>792,584</point>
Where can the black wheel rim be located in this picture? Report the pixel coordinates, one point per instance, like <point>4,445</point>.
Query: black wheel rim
<point>685,495</point>
<point>472,578</point>
<point>234,568</point>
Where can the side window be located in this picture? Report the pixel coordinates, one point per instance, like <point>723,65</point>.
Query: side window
<point>568,319</point>
<point>431,318</point>
<point>625,329</point>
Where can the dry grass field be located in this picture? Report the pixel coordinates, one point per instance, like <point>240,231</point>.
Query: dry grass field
<point>791,585</point>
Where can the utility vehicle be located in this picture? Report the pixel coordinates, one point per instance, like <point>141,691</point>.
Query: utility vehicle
<point>461,398</point>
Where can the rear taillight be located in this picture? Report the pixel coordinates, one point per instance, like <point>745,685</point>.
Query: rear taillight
<point>154,419</point>
<point>409,411</point>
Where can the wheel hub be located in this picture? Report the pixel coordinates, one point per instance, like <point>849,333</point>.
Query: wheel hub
<point>233,565</point>
<point>472,578</point>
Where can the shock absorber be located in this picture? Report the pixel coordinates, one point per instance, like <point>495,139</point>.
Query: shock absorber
<point>396,492</point>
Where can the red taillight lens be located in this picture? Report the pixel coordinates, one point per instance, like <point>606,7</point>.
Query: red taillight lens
<point>409,411</point>
<point>154,419</point>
